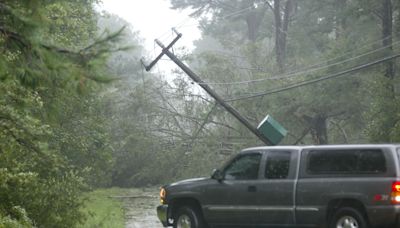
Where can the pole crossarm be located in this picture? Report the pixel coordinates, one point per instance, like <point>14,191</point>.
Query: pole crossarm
<point>148,67</point>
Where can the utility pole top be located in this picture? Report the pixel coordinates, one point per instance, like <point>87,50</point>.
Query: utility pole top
<point>148,67</point>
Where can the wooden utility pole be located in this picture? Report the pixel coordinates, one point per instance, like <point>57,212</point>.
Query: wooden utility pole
<point>197,79</point>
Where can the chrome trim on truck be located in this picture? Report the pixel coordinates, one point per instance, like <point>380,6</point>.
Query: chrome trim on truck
<point>247,208</point>
<point>307,209</point>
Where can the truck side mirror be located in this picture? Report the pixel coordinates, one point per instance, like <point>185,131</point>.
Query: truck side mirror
<point>217,175</point>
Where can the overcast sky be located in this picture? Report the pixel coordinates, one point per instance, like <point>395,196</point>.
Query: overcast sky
<point>154,20</point>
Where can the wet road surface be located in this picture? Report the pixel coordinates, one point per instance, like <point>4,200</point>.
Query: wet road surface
<point>140,210</point>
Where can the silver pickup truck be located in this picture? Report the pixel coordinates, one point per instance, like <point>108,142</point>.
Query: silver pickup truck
<point>335,186</point>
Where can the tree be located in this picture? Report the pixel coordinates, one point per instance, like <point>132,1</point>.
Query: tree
<point>254,14</point>
<point>383,117</point>
<point>319,31</point>
<point>42,70</point>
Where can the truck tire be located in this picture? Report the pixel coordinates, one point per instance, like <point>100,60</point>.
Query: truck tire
<point>188,217</point>
<point>348,217</point>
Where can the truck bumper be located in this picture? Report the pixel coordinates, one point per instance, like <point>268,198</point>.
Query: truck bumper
<point>162,214</point>
<point>388,216</point>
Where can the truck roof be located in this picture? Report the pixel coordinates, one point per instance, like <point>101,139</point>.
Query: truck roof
<point>337,146</point>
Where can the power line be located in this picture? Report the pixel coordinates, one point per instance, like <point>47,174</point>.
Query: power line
<point>293,74</point>
<point>185,21</point>
<point>313,81</point>
<point>179,25</point>
<point>241,11</point>
<point>212,93</point>
<point>345,54</point>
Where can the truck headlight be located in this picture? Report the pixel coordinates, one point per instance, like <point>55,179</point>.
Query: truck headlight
<point>163,194</point>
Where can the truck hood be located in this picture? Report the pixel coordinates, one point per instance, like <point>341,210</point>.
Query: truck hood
<point>189,181</point>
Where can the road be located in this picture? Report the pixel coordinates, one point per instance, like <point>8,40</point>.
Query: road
<point>140,210</point>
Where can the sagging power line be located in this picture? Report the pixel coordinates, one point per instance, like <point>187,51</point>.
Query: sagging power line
<point>313,81</point>
<point>294,74</point>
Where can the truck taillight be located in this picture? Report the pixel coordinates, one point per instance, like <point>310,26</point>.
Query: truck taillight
<point>395,196</point>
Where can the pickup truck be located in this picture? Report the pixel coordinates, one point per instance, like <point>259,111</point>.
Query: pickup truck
<point>334,186</point>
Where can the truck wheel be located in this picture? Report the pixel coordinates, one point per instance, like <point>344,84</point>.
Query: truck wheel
<point>348,217</point>
<point>188,217</point>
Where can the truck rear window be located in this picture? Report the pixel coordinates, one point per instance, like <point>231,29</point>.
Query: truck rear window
<point>346,161</point>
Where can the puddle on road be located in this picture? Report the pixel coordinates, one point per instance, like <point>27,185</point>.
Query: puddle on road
<point>140,210</point>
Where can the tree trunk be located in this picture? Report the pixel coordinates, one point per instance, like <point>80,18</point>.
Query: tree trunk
<point>253,20</point>
<point>316,126</point>
<point>281,28</point>
<point>319,130</point>
<point>339,20</point>
<point>387,32</point>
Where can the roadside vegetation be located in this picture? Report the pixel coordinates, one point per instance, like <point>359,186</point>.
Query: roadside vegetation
<point>102,210</point>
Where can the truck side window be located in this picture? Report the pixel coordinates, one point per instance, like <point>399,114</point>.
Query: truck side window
<point>277,166</point>
<point>245,167</point>
<point>346,161</point>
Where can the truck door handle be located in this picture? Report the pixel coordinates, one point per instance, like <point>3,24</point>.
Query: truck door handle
<point>251,189</point>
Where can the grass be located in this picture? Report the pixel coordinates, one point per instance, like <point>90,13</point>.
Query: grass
<point>103,211</point>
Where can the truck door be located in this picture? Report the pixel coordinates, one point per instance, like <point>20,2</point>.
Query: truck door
<point>275,189</point>
<point>233,200</point>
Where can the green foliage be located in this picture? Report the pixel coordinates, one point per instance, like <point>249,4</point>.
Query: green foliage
<point>329,36</point>
<point>79,133</point>
<point>102,210</point>
<point>383,116</point>
<point>29,168</point>
<point>19,219</point>
<point>72,23</point>
<point>53,139</point>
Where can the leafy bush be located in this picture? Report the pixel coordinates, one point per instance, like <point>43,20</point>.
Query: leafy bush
<point>18,219</point>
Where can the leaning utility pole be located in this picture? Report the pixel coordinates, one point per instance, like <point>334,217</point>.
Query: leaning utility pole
<point>212,93</point>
